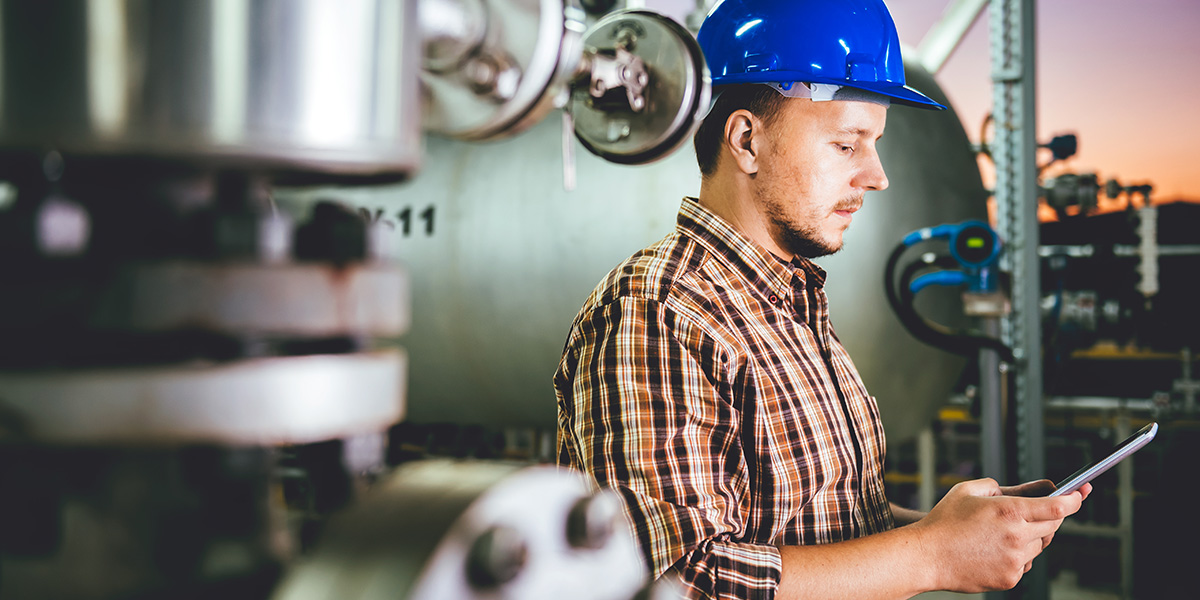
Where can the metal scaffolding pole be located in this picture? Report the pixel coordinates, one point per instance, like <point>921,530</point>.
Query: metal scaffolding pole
<point>1014,148</point>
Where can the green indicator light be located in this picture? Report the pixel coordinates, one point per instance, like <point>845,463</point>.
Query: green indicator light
<point>975,242</point>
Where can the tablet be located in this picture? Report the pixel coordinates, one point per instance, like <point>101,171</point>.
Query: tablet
<point>1131,444</point>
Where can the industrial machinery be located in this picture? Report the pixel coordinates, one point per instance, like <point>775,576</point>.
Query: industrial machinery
<point>224,218</point>
<point>969,263</point>
<point>1117,331</point>
<point>1120,331</point>
<point>177,350</point>
<point>502,257</point>
<point>486,531</point>
<point>1121,280</point>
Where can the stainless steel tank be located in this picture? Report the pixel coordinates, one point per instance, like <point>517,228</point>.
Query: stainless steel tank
<point>270,86</point>
<point>934,179</point>
<point>502,258</point>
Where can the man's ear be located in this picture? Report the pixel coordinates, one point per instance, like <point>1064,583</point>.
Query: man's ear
<point>743,139</point>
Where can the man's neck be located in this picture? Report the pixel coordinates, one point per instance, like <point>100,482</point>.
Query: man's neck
<point>734,202</point>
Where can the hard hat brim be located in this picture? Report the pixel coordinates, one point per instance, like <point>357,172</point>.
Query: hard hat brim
<point>898,92</point>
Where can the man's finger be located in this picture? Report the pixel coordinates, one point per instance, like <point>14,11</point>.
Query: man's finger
<point>1085,491</point>
<point>1050,509</point>
<point>980,487</point>
<point>1038,530</point>
<point>1033,550</point>
<point>1030,489</point>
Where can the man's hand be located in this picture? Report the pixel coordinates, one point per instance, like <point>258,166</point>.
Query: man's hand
<point>1039,488</point>
<point>984,537</point>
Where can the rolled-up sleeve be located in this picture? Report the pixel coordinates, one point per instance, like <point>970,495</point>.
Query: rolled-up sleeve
<point>646,407</point>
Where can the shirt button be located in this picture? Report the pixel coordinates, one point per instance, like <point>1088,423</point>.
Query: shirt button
<point>773,299</point>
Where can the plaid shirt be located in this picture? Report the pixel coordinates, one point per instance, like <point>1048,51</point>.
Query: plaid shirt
<point>702,381</point>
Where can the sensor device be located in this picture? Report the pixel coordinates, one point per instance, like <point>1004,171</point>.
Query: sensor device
<point>975,244</point>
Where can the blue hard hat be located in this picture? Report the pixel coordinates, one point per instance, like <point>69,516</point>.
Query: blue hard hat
<point>840,42</point>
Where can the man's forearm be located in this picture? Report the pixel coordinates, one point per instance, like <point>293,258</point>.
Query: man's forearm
<point>976,539</point>
<point>885,565</point>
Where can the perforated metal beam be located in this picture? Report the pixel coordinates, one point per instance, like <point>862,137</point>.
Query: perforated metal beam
<point>1012,26</point>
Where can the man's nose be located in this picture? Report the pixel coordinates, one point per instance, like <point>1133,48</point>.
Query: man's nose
<point>872,177</point>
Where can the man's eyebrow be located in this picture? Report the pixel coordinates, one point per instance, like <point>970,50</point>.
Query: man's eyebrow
<point>855,131</point>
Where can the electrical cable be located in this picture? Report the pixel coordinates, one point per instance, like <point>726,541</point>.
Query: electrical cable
<point>984,147</point>
<point>970,342</point>
<point>933,334</point>
<point>929,332</point>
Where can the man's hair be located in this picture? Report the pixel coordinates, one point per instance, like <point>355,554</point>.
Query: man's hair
<point>760,100</point>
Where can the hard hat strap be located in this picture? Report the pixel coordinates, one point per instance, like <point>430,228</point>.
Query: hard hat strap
<point>817,92</point>
<point>824,92</point>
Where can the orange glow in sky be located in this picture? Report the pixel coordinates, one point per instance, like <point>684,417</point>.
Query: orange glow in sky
<point>1123,76</point>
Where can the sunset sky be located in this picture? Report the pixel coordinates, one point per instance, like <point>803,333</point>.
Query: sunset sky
<point>1124,75</point>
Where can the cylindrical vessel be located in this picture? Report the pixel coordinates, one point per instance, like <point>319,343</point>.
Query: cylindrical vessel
<point>319,87</point>
<point>502,258</point>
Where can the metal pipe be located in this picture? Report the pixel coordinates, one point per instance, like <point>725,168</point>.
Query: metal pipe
<point>1092,529</point>
<point>944,37</point>
<point>992,413</point>
<point>1125,508</point>
<point>696,17</point>
<point>927,463</point>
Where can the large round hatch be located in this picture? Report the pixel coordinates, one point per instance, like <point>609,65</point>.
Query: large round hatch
<point>648,90</point>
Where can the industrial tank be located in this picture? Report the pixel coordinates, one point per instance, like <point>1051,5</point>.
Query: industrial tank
<point>501,259</point>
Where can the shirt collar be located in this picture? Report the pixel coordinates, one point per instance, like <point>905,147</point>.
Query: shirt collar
<point>771,274</point>
<point>807,270</point>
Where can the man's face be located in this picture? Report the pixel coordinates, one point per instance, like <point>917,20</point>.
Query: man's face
<point>819,161</point>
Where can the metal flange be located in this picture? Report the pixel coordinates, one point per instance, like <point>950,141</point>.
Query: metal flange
<point>661,73</point>
<point>267,401</point>
<point>296,299</point>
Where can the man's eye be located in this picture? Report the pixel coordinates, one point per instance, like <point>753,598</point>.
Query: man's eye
<point>844,149</point>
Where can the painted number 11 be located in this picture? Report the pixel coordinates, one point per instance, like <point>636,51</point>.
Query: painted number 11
<point>407,218</point>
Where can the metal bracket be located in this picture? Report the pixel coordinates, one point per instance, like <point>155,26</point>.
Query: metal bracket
<point>618,80</point>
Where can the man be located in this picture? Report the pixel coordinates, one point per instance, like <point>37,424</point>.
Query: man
<point>702,380</point>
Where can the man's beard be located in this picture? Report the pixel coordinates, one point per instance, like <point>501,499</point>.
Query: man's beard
<point>806,241</point>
